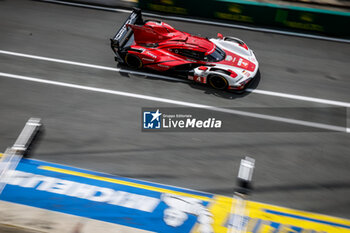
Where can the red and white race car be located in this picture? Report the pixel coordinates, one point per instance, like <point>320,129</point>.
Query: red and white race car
<point>223,62</point>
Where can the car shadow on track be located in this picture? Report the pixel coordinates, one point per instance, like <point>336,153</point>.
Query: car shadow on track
<point>149,74</point>
<point>152,75</point>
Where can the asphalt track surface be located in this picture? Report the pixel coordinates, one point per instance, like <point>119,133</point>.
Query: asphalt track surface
<point>102,132</point>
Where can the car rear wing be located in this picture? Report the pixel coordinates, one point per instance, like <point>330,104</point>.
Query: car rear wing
<point>124,33</point>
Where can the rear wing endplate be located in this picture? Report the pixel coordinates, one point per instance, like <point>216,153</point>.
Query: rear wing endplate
<point>122,36</point>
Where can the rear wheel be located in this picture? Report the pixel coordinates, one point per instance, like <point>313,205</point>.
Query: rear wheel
<point>133,61</point>
<point>217,81</point>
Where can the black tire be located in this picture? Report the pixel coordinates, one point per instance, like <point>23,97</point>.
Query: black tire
<point>133,61</point>
<point>218,81</point>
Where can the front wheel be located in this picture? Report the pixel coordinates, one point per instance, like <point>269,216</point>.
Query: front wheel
<point>217,82</point>
<point>133,61</point>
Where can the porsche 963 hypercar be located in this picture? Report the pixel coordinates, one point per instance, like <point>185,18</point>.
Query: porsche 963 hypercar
<point>225,63</point>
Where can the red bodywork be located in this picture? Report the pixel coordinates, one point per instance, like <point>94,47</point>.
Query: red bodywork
<point>157,43</point>
<point>168,40</point>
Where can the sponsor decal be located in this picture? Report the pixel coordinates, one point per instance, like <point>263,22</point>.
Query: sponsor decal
<point>235,8</point>
<point>246,73</point>
<point>305,21</point>
<point>123,29</point>
<point>151,54</point>
<point>242,63</point>
<point>228,58</point>
<point>83,191</point>
<point>164,66</point>
<point>180,208</point>
<point>168,2</point>
<point>169,9</point>
<point>147,59</point>
<point>233,16</point>
<point>199,79</point>
<point>103,197</point>
<point>238,61</point>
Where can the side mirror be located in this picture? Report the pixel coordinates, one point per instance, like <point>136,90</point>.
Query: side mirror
<point>220,36</point>
<point>203,68</point>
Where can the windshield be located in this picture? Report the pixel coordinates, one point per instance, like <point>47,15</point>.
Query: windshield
<point>215,56</point>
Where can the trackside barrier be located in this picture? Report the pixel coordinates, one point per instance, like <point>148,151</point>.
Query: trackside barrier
<point>136,206</point>
<point>327,22</point>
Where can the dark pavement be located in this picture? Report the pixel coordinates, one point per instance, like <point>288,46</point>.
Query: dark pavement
<point>308,171</point>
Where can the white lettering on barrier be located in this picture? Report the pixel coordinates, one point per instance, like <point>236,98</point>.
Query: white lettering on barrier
<point>117,198</point>
<point>83,191</point>
<point>101,194</point>
<point>14,177</point>
<point>46,184</point>
<point>61,187</point>
<point>31,182</point>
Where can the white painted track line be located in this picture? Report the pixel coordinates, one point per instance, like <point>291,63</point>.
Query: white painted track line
<point>300,97</point>
<point>88,65</point>
<point>262,92</point>
<point>181,103</point>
